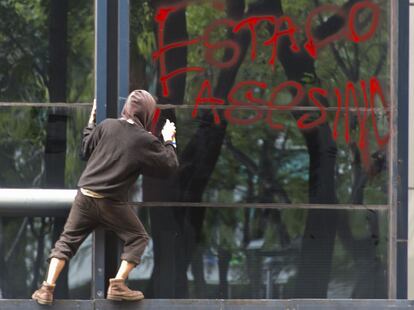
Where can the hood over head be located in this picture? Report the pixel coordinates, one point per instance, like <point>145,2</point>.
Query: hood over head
<point>140,107</point>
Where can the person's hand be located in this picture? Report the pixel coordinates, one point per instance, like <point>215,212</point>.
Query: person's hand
<point>168,131</point>
<point>92,117</point>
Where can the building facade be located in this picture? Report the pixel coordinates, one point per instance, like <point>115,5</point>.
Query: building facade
<point>292,129</point>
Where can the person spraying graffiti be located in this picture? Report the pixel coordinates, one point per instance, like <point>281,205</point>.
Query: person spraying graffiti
<point>117,151</point>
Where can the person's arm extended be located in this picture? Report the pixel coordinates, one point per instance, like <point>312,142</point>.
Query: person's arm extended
<point>160,159</point>
<point>90,135</point>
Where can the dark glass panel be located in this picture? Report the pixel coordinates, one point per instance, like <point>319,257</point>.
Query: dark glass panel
<point>26,244</point>
<point>46,51</point>
<point>259,253</point>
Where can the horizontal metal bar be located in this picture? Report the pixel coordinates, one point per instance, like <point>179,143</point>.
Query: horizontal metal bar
<point>266,108</point>
<point>259,205</point>
<point>45,105</point>
<point>35,202</point>
<point>55,202</point>
<point>34,197</point>
<point>191,106</point>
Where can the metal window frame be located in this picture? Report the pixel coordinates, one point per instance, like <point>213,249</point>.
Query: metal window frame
<point>101,72</point>
<point>398,222</point>
<point>111,84</point>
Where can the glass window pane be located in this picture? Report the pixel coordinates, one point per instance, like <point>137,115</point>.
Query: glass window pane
<point>26,244</point>
<point>335,56</point>
<point>242,138</point>
<point>46,51</point>
<point>257,164</point>
<point>40,146</point>
<point>263,253</point>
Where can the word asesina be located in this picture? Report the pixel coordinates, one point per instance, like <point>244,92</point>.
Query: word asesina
<point>370,91</point>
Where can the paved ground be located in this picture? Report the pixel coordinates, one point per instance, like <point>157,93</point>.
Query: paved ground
<point>211,304</point>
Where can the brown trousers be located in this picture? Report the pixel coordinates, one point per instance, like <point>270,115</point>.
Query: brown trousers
<point>88,213</point>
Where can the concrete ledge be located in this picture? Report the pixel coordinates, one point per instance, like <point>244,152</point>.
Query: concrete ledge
<point>211,304</point>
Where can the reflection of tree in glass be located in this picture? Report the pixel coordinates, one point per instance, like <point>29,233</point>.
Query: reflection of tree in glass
<point>38,40</point>
<point>199,156</point>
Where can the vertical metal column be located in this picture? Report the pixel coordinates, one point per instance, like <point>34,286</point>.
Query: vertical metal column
<point>398,161</point>
<point>101,29</point>
<point>106,58</point>
<point>403,164</point>
<point>123,53</point>
<point>410,256</point>
<point>112,59</point>
<point>110,239</point>
<point>111,62</point>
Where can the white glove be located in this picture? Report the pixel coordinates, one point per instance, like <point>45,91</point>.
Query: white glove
<point>168,131</point>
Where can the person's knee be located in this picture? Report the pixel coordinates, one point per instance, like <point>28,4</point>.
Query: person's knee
<point>137,243</point>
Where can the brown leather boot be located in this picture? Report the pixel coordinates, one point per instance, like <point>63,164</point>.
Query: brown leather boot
<point>44,295</point>
<point>117,290</point>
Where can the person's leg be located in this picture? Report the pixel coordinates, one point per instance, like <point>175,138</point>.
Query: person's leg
<point>121,219</point>
<point>55,267</point>
<point>81,221</point>
<point>124,270</point>
<point>124,222</point>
